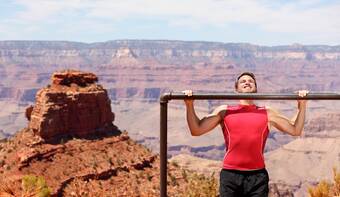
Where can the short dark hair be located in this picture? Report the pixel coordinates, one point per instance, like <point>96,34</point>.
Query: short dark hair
<point>246,73</point>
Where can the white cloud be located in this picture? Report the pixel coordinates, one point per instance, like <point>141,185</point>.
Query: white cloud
<point>310,17</point>
<point>37,10</point>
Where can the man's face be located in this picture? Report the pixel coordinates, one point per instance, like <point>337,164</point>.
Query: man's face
<point>246,84</point>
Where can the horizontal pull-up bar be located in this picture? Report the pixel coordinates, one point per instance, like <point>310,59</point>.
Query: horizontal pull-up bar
<point>219,96</point>
<point>257,96</point>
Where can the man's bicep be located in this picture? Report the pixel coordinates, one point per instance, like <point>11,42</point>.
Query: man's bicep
<point>278,120</point>
<point>281,122</point>
<point>208,123</point>
<point>274,114</point>
<point>214,118</point>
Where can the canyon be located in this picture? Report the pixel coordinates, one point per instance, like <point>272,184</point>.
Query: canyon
<point>136,72</point>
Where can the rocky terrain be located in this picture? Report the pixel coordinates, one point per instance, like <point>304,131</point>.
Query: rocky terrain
<point>304,162</point>
<point>136,72</point>
<point>113,165</point>
<point>94,160</point>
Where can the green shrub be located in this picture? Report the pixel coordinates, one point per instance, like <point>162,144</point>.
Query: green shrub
<point>35,186</point>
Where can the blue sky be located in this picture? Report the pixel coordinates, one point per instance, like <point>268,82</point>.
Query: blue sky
<point>262,22</point>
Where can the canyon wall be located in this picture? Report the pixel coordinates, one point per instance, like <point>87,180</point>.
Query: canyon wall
<point>136,72</point>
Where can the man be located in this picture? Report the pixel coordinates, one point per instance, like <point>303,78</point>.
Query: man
<point>245,128</point>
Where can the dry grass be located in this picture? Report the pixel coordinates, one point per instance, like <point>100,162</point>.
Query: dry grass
<point>200,185</point>
<point>327,189</point>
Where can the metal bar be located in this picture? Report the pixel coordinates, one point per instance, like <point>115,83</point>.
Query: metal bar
<point>217,96</point>
<point>163,147</point>
<point>255,96</point>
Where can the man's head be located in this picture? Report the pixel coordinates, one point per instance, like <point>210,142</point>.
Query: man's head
<point>246,83</point>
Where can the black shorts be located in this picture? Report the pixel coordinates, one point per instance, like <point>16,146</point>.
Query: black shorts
<point>244,183</point>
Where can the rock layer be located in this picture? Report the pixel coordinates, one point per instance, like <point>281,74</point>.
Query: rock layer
<point>73,105</point>
<point>71,76</point>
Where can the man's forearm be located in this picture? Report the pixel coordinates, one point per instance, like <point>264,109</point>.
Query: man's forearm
<point>300,120</point>
<point>192,119</point>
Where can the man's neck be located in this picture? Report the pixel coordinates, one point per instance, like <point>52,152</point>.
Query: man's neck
<point>246,102</point>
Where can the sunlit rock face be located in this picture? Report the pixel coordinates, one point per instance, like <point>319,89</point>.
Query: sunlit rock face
<point>72,105</point>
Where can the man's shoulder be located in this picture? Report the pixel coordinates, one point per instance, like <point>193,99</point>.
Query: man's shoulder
<point>270,109</point>
<point>219,109</point>
<point>272,112</point>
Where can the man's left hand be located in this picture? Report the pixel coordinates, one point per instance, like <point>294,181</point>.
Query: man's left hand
<point>302,102</point>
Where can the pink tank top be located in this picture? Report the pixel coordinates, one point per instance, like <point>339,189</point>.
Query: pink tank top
<point>245,130</point>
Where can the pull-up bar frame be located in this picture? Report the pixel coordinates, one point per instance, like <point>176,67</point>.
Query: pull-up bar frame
<point>166,97</point>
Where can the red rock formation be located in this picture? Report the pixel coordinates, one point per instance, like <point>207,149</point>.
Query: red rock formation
<point>28,112</point>
<point>73,105</point>
<point>72,76</point>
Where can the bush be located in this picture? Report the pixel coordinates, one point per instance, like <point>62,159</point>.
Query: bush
<point>35,186</point>
<point>326,189</point>
<point>200,185</point>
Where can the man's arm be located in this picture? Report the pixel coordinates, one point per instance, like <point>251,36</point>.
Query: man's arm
<point>201,126</point>
<point>293,127</point>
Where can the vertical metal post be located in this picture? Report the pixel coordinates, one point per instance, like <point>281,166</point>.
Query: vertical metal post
<point>163,146</point>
